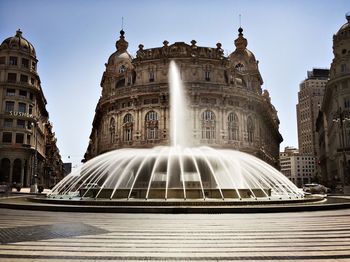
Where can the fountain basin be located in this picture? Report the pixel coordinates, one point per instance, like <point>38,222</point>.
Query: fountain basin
<point>177,173</point>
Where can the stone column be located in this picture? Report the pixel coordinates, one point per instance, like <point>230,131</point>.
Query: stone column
<point>22,172</point>
<point>11,170</point>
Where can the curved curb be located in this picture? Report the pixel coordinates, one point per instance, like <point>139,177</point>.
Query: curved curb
<point>26,205</point>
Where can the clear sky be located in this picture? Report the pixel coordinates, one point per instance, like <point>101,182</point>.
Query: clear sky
<point>73,40</point>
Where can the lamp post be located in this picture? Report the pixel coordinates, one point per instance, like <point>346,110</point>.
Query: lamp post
<point>341,116</point>
<point>34,182</point>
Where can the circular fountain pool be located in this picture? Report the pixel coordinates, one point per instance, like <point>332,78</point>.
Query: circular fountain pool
<point>164,173</point>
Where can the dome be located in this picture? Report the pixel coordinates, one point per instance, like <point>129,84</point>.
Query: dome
<point>241,52</point>
<point>117,58</point>
<point>346,26</point>
<point>121,54</point>
<point>18,42</point>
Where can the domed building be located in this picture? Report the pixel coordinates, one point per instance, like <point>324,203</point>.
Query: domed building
<point>28,150</point>
<point>333,123</point>
<point>227,106</point>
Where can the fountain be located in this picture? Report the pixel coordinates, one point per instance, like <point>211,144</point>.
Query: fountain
<point>178,172</point>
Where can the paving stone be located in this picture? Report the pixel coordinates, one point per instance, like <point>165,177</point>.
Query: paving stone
<point>60,236</point>
<point>35,233</point>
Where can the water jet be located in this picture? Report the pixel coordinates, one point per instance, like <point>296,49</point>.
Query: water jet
<point>178,172</point>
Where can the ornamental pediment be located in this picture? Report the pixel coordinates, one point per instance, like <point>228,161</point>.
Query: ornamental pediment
<point>180,50</point>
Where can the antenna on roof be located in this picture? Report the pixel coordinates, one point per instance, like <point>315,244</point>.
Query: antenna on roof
<point>122,23</point>
<point>240,22</point>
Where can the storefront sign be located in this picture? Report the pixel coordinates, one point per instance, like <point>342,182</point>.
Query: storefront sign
<point>16,113</point>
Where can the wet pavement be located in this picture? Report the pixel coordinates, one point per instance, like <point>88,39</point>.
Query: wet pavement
<point>62,236</point>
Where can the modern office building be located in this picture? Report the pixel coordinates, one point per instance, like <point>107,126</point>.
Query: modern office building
<point>298,168</point>
<point>310,98</point>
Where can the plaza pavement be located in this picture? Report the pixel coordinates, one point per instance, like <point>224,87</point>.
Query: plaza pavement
<point>59,236</point>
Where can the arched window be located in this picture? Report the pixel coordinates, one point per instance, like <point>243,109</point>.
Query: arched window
<point>151,125</point>
<point>127,119</point>
<point>127,127</point>
<point>250,129</point>
<point>240,67</point>
<point>16,173</point>
<point>122,69</point>
<point>233,127</point>
<point>151,116</point>
<point>5,170</point>
<point>208,125</point>
<point>112,130</point>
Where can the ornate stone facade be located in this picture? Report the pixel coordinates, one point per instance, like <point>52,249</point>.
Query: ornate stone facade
<point>228,108</point>
<point>27,142</point>
<point>333,123</point>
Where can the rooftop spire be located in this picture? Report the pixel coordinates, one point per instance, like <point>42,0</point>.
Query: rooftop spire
<point>122,44</point>
<point>241,43</point>
<point>19,32</point>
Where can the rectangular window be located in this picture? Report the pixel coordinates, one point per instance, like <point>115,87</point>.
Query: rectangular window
<point>24,79</point>
<point>23,93</point>
<point>207,75</point>
<point>343,68</point>
<point>2,60</point>
<point>7,137</point>
<point>346,102</point>
<point>9,106</point>
<point>19,138</point>
<point>152,133</point>
<point>151,76</point>
<point>25,63</point>
<point>32,81</point>
<point>13,60</point>
<point>30,110</point>
<point>31,96</point>
<point>33,65</point>
<point>28,139</point>
<point>8,123</point>
<point>10,92</point>
<point>12,77</point>
<point>22,107</point>
<point>21,123</point>
<point>128,134</point>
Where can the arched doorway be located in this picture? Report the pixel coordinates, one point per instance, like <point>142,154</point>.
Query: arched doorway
<point>5,170</point>
<point>16,173</point>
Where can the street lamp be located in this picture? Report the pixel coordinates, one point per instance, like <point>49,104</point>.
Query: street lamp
<point>34,180</point>
<point>340,117</point>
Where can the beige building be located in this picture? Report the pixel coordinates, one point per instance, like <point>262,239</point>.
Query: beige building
<point>228,108</point>
<point>297,167</point>
<point>27,142</point>
<point>333,123</point>
<point>310,98</point>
